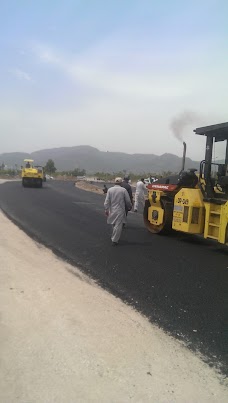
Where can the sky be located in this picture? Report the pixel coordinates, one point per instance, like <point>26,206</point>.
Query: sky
<point>112,74</point>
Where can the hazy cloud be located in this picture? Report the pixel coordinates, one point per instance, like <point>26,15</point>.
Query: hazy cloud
<point>112,76</point>
<point>20,74</point>
<point>88,72</point>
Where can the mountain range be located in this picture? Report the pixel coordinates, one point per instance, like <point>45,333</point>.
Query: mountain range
<point>93,160</point>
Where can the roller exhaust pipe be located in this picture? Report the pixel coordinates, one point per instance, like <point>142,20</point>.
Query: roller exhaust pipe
<point>184,156</point>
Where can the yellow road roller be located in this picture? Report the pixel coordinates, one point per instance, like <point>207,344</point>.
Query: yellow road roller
<point>31,175</point>
<point>194,201</point>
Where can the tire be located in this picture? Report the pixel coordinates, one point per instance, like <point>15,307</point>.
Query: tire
<point>166,226</point>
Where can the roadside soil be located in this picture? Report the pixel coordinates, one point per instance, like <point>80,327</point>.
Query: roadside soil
<point>65,340</point>
<point>88,187</point>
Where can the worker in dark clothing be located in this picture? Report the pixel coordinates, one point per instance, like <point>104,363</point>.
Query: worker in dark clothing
<point>105,189</point>
<point>125,184</point>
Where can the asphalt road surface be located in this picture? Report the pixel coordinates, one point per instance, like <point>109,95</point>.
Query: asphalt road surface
<point>179,282</point>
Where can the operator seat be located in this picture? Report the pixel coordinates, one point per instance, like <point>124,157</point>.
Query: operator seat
<point>183,179</point>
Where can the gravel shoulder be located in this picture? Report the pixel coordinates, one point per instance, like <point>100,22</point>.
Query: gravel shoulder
<point>64,339</point>
<point>89,187</point>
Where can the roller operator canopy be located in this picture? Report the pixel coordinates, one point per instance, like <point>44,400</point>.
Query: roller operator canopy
<point>219,132</point>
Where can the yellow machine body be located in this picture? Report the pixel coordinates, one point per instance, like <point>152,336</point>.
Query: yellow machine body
<point>193,203</point>
<point>189,211</point>
<point>31,175</point>
<point>216,222</point>
<point>156,210</point>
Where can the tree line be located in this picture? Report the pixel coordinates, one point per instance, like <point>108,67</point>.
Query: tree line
<point>51,169</point>
<point>106,176</point>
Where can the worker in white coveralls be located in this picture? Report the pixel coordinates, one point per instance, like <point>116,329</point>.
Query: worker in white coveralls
<point>116,203</point>
<point>139,196</point>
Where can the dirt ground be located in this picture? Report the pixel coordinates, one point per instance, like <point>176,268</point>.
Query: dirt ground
<point>65,340</point>
<point>89,187</point>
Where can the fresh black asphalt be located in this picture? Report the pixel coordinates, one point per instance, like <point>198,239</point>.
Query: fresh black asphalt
<point>179,282</point>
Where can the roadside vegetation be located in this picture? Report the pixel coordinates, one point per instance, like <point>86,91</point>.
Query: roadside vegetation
<point>51,169</point>
<point>11,173</point>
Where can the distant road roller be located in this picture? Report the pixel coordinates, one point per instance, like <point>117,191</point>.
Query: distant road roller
<point>31,175</point>
<point>193,202</point>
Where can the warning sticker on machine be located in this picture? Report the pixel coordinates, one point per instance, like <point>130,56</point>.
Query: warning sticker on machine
<point>177,219</point>
<point>178,208</point>
<point>182,201</point>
